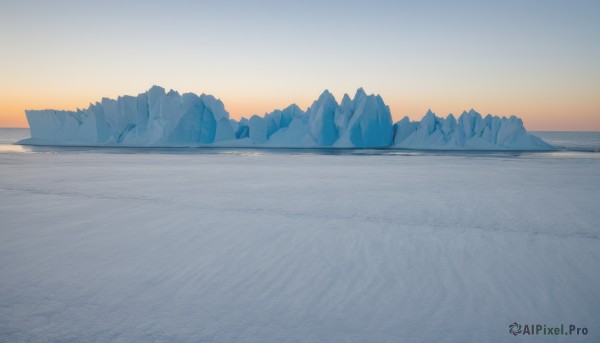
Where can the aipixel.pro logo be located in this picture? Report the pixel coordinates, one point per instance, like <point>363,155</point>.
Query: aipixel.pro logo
<point>516,329</point>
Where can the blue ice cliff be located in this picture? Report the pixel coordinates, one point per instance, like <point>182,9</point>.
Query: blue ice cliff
<point>159,118</point>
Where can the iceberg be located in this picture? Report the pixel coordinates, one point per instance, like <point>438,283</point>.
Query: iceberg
<point>169,119</point>
<point>364,121</point>
<point>470,132</point>
<point>152,118</point>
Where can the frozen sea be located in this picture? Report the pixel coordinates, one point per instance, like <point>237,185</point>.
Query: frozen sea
<point>284,245</point>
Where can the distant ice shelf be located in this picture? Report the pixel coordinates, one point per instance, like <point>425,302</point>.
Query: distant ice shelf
<point>170,119</point>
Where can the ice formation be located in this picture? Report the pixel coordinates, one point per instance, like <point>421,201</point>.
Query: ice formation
<point>470,132</point>
<point>151,118</point>
<point>159,118</point>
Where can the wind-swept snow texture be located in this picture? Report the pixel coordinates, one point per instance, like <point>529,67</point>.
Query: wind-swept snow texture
<point>156,118</point>
<point>296,248</point>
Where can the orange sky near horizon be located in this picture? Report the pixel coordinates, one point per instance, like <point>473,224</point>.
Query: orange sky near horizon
<point>549,114</point>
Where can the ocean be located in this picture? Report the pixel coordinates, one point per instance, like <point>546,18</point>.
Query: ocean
<point>572,140</point>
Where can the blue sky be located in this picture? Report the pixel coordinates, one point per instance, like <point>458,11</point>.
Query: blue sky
<point>536,59</point>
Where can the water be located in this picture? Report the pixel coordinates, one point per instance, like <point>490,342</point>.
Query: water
<point>571,144</point>
<point>8,138</point>
<point>11,136</point>
<point>572,140</point>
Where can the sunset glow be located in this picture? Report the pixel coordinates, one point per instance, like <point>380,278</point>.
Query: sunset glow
<point>504,58</point>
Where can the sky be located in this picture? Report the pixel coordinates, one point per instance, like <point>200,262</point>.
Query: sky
<point>539,60</point>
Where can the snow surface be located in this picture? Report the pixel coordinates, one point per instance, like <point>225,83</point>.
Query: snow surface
<point>157,118</point>
<point>296,248</point>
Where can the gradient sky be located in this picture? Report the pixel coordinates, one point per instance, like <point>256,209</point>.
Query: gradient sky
<point>539,60</point>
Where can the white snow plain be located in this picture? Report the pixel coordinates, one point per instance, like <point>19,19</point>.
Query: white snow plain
<point>259,247</point>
